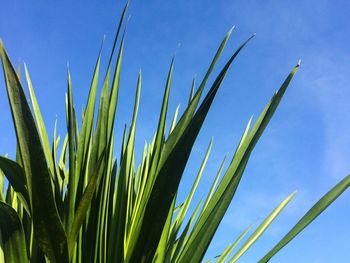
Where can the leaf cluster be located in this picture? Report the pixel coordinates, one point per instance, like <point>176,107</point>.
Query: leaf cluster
<point>70,200</point>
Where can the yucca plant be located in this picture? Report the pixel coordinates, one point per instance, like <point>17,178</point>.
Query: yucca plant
<point>71,201</point>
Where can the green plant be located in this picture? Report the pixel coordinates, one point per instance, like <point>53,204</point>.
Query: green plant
<point>72,202</point>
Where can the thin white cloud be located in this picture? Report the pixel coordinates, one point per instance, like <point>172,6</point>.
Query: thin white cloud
<point>328,84</point>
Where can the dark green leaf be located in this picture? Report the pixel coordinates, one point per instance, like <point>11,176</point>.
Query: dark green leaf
<point>15,175</point>
<point>12,240</point>
<point>169,172</point>
<point>47,224</point>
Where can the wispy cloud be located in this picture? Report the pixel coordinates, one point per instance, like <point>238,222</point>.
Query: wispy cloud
<point>328,84</point>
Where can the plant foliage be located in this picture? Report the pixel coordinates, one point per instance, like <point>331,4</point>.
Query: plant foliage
<point>70,200</point>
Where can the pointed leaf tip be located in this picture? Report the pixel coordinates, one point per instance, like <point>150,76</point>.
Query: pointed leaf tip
<point>231,29</point>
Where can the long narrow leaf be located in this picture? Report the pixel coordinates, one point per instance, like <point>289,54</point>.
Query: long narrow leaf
<point>211,217</point>
<point>231,247</point>
<point>15,175</point>
<point>12,235</point>
<point>39,121</point>
<point>84,204</point>
<point>47,224</point>
<point>169,173</point>
<point>310,216</point>
<point>261,228</point>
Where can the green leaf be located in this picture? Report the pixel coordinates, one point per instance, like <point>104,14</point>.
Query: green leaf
<point>162,246</point>
<point>193,103</point>
<point>82,150</point>
<point>12,240</point>
<point>84,204</point>
<point>115,85</point>
<point>2,184</point>
<point>261,228</point>
<point>169,172</point>
<point>158,143</point>
<point>183,238</point>
<point>173,123</point>
<point>40,122</point>
<point>72,186</point>
<point>120,228</point>
<point>310,216</point>
<point>47,224</point>
<point>213,186</point>
<point>211,217</point>
<point>231,247</point>
<point>183,210</point>
<point>15,175</point>
<point>192,91</point>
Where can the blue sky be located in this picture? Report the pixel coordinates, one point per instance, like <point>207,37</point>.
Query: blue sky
<point>306,147</point>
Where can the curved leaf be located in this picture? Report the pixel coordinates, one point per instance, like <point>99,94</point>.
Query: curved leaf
<point>47,224</point>
<point>12,240</point>
<point>261,228</point>
<point>310,216</point>
<point>15,175</point>
<point>211,217</point>
<point>168,175</point>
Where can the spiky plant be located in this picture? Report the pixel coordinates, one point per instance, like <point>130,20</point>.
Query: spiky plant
<point>73,202</point>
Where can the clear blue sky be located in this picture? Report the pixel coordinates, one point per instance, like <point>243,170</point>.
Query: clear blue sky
<point>306,147</point>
